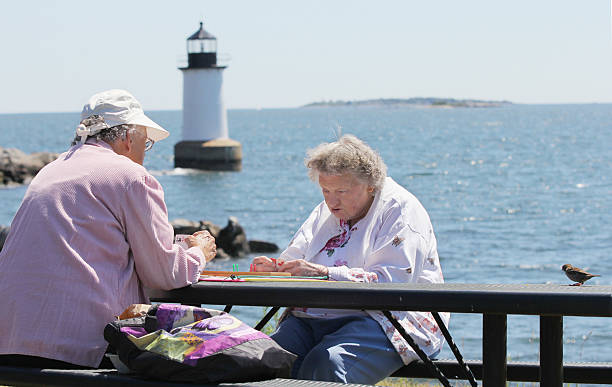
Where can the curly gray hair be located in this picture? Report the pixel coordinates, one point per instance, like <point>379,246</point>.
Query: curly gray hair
<point>347,155</point>
<point>108,135</point>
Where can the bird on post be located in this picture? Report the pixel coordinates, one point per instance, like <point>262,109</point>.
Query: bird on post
<point>577,275</point>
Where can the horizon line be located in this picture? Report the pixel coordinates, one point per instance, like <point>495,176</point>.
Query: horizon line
<point>323,101</point>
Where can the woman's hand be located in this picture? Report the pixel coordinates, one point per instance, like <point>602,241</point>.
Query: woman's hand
<point>297,267</point>
<point>263,263</point>
<point>205,242</point>
<point>301,267</point>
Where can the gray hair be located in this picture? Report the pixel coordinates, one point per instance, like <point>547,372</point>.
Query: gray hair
<point>347,155</point>
<point>108,135</point>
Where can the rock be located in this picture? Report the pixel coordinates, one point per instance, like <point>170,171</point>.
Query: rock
<point>10,165</point>
<point>179,224</point>
<point>19,167</point>
<point>212,228</point>
<point>4,230</point>
<point>232,239</point>
<point>185,226</point>
<point>36,161</point>
<point>221,254</point>
<point>262,247</point>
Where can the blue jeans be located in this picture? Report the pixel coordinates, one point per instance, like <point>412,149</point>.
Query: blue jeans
<point>352,349</point>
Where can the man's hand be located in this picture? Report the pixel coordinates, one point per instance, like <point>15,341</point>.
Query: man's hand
<point>205,242</point>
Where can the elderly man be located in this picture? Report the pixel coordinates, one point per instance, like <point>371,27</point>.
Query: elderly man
<point>91,233</point>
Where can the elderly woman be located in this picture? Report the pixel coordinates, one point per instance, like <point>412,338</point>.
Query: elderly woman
<point>367,229</point>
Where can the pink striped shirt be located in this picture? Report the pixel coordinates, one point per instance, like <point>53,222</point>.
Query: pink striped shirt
<point>91,232</point>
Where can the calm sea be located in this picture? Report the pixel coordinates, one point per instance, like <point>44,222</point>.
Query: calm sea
<point>513,192</point>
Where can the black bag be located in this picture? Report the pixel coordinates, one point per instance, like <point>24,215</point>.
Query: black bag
<point>188,344</point>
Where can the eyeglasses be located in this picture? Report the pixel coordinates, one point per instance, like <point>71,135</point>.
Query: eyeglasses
<point>149,144</point>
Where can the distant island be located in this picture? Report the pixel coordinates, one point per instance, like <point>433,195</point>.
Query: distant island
<point>415,102</point>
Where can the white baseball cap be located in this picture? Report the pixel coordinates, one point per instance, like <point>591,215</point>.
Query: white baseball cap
<point>116,107</point>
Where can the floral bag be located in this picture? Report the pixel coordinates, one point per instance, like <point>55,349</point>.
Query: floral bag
<point>190,344</point>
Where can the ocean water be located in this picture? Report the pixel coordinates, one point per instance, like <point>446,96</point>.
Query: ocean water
<point>513,192</point>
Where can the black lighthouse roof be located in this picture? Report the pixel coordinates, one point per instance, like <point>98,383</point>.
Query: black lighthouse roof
<point>201,34</point>
<point>201,50</point>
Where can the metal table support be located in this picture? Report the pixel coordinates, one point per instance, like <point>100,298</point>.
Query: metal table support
<point>551,351</point>
<point>494,333</point>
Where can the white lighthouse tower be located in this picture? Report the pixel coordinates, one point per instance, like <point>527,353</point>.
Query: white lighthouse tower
<point>206,143</point>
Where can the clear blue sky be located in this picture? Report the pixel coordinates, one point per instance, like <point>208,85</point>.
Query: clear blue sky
<point>285,53</point>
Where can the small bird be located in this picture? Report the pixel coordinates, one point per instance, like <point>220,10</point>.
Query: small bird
<point>577,275</point>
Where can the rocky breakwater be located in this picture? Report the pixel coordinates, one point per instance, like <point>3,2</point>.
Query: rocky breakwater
<point>231,240</point>
<point>17,167</point>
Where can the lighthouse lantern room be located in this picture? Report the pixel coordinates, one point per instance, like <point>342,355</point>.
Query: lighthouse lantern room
<point>205,143</point>
<point>202,49</point>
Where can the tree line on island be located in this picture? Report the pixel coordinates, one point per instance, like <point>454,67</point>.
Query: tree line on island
<point>414,102</point>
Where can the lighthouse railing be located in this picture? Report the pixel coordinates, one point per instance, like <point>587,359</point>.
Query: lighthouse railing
<point>223,60</point>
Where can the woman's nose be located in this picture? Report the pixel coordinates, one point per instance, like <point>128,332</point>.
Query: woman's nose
<point>332,200</point>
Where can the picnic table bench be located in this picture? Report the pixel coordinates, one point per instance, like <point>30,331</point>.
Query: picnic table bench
<point>34,377</point>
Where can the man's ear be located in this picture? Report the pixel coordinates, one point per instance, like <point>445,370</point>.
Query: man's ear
<point>128,142</point>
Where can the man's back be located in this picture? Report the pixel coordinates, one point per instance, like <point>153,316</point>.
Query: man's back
<point>91,232</point>
<point>68,236</point>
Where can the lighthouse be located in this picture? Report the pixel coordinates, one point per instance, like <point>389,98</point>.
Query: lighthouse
<point>205,139</point>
